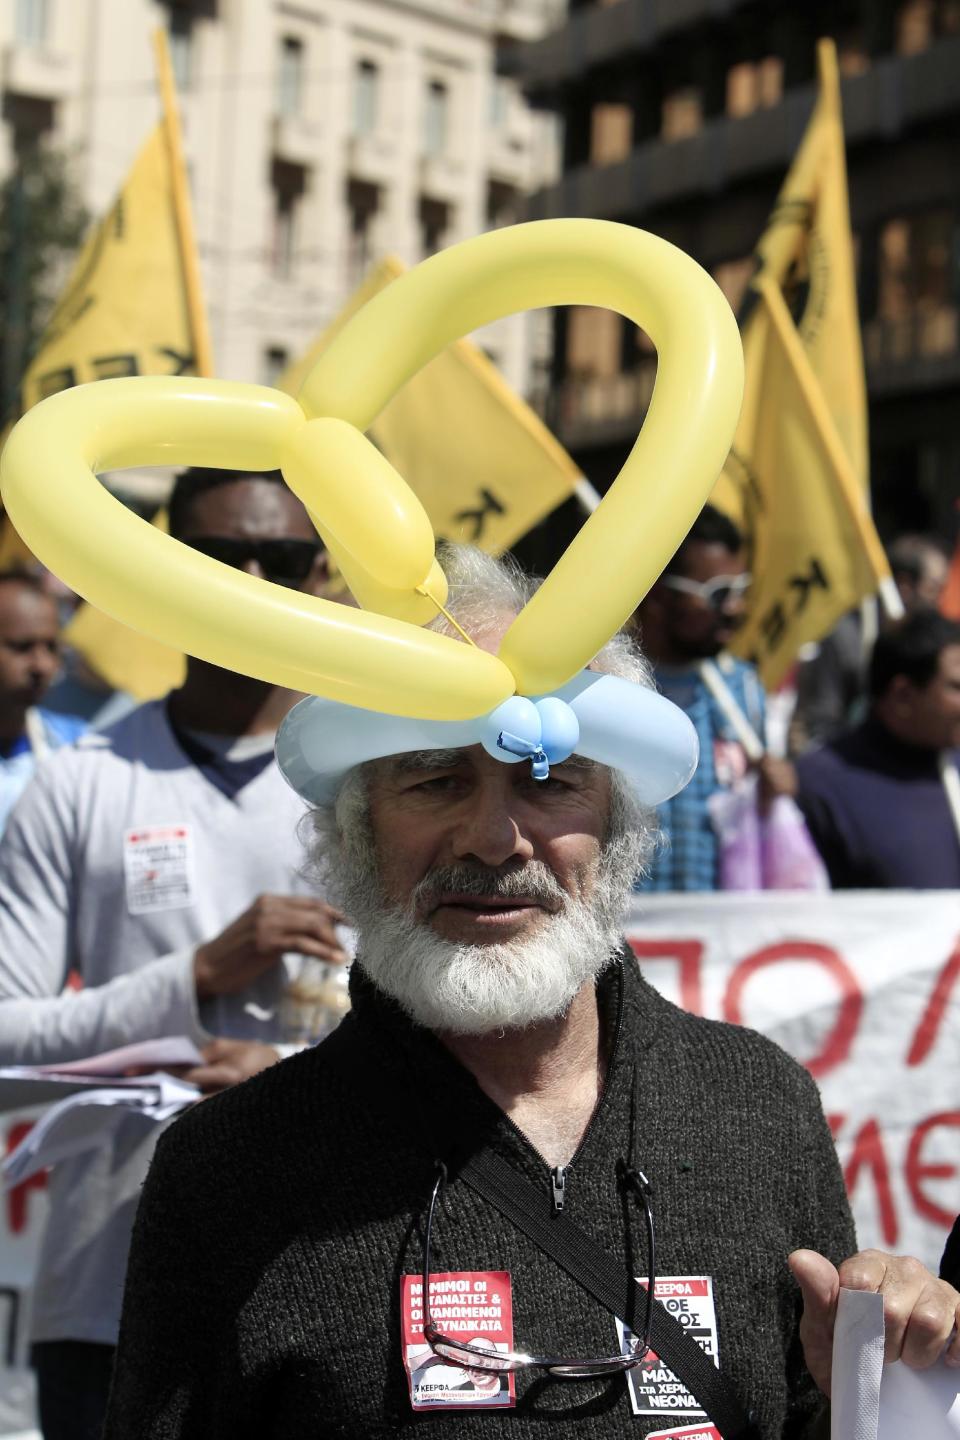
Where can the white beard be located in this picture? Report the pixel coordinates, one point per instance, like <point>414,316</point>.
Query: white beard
<point>478,989</point>
<point>481,989</point>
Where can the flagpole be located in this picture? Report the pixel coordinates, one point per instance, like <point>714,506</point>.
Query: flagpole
<point>193,286</point>
<point>836,454</point>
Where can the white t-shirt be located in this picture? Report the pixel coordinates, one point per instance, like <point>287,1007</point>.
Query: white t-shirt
<point>120,858</point>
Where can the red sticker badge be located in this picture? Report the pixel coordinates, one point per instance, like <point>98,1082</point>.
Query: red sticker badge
<point>655,1390</point>
<point>689,1432</point>
<point>474,1307</point>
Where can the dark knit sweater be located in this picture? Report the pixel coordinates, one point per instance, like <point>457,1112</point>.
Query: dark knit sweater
<point>263,1290</point>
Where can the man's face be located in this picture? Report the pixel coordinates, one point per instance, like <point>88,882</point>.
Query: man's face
<point>435,817</point>
<point>921,590</point>
<point>929,715</point>
<point>29,644</point>
<point>695,626</point>
<point>252,513</point>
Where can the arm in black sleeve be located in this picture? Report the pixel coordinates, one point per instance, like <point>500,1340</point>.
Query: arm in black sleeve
<point>176,1374</point>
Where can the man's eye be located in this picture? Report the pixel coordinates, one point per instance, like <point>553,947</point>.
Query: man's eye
<point>437,783</point>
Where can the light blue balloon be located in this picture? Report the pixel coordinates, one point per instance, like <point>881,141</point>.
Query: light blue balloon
<point>517,716</point>
<point>559,729</point>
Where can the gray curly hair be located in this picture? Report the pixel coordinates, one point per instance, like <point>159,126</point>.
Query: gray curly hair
<point>484,591</point>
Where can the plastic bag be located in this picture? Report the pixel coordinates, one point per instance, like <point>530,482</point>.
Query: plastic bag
<point>763,851</point>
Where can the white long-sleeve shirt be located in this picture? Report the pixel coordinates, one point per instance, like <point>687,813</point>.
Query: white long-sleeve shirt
<point>120,858</point>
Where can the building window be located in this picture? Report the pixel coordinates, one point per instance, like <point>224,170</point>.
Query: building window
<point>682,114</point>
<point>917,293</point>
<point>366,86</point>
<point>363,205</point>
<point>435,118</point>
<point>435,218</point>
<point>593,342</point>
<point>274,361</point>
<point>289,186</point>
<point>290,76</point>
<point>503,204</point>
<point>180,40</point>
<point>915,22</point>
<point>754,85</point>
<point>32,18</point>
<point>611,133</point>
<point>500,93</point>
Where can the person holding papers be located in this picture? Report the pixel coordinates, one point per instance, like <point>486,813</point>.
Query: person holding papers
<point>159,859</point>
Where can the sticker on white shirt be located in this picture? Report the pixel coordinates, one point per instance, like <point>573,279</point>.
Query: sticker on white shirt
<point>688,1432</point>
<point>474,1307</point>
<point>655,1390</point>
<point>158,868</point>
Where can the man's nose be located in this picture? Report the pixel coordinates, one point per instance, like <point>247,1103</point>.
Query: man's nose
<point>44,663</point>
<point>489,831</point>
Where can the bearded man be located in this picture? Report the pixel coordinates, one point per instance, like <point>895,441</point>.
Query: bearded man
<point>292,1230</point>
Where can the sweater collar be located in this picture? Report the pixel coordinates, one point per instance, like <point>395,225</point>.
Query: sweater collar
<point>449,1111</point>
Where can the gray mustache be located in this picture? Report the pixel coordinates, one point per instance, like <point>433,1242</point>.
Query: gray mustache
<point>534,882</point>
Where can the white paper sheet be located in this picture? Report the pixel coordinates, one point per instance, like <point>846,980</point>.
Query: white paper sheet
<point>170,1052</point>
<point>872,1401</point>
<point>86,1118</point>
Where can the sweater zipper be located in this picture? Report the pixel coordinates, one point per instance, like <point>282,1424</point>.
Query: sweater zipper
<point>559,1173</point>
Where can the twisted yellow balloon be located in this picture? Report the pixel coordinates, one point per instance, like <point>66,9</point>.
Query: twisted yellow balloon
<point>379,657</point>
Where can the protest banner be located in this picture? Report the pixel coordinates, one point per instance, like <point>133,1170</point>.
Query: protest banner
<point>483,465</point>
<point>864,989</point>
<point>796,480</point>
<point>23,1214</point>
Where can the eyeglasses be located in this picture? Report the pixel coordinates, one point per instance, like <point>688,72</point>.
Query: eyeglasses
<point>715,593</point>
<point>286,562</point>
<point>472,1356</point>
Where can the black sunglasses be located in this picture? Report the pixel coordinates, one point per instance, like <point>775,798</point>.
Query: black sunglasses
<point>286,562</point>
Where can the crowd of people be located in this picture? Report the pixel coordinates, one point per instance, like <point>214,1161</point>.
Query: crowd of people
<point>873,736</point>
<point>497,1024</point>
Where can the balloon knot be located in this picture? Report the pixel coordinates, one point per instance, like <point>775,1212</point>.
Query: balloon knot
<point>516,745</point>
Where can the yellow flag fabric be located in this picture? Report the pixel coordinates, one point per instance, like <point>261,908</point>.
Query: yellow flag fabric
<point>123,312</point>
<point>797,477</point>
<point>124,309</point>
<point>482,464</point>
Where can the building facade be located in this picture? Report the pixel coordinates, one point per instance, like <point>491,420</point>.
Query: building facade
<point>321,135</point>
<point>683,116</point>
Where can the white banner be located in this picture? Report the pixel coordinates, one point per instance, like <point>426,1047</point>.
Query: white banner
<point>864,989</point>
<point>23,1214</point>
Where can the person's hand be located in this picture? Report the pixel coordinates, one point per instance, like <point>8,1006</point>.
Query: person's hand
<point>777,777</point>
<point>227,1062</point>
<point>255,942</point>
<point>920,1312</point>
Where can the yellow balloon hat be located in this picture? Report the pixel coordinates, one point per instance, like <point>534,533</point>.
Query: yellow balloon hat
<point>380,657</point>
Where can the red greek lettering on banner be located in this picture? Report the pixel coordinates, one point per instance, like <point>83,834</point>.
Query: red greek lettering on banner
<point>916,1170</point>
<point>926,1033</point>
<point>689,957</point>
<point>837,1045</point>
<point>868,1153</point>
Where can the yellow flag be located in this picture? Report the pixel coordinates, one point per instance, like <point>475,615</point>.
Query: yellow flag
<point>124,310</point>
<point>482,464</point>
<point>797,476</point>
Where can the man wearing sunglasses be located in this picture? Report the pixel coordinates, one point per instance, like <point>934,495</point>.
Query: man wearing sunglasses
<point>686,622</point>
<point>502,1043</point>
<point>158,859</point>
